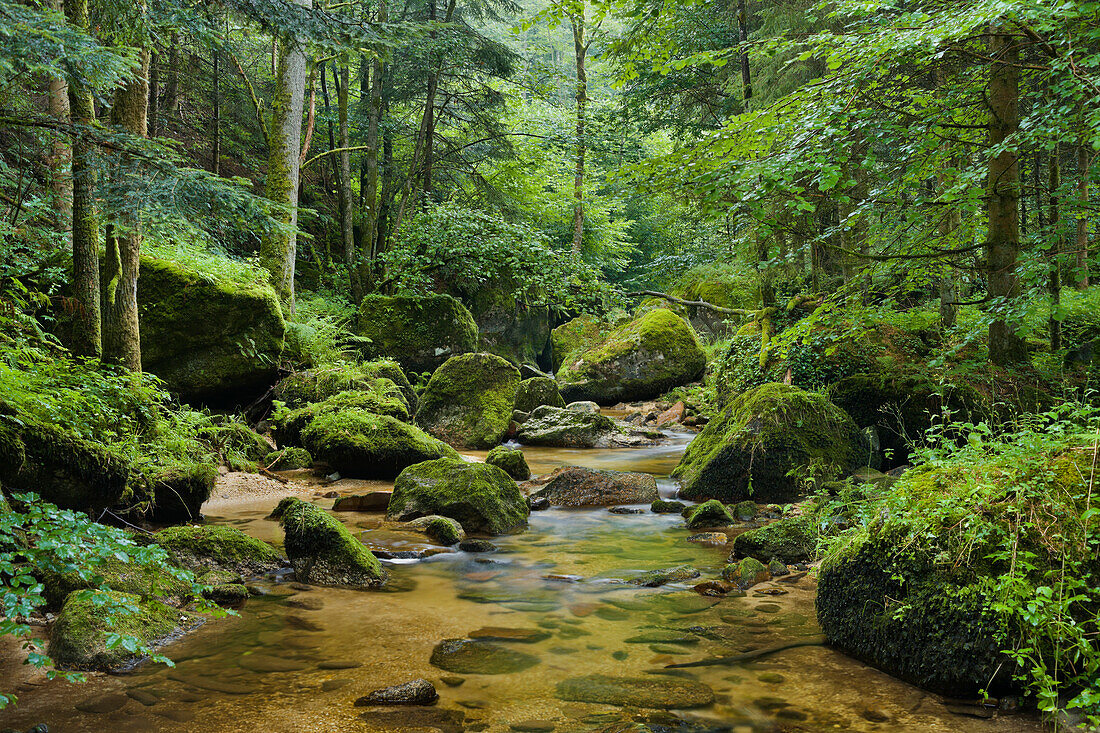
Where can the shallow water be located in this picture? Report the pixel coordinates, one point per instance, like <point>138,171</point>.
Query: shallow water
<point>296,660</point>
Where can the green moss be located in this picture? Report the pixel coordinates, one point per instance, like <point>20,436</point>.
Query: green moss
<point>641,359</point>
<point>288,426</point>
<point>745,511</point>
<point>712,513</point>
<point>62,468</point>
<point>482,498</point>
<point>536,392</point>
<point>219,548</point>
<point>12,454</point>
<point>443,531</point>
<point>145,580</point>
<point>78,638</point>
<point>176,491</point>
<point>511,461</point>
<point>365,445</point>
<point>569,339</point>
<point>207,338</point>
<point>233,440</point>
<point>322,550</point>
<point>750,449</point>
<point>288,459</point>
<point>391,370</point>
<point>662,506</point>
<point>321,383</point>
<point>468,401</point>
<point>789,540</point>
<point>227,594</point>
<point>510,323</point>
<point>746,573</point>
<point>420,332</point>
<point>563,428</point>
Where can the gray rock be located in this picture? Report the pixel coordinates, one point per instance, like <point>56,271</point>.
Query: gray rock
<point>417,692</point>
<point>578,486</point>
<point>583,406</point>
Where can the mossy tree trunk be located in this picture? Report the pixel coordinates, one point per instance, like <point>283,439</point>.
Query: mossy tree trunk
<point>1084,163</point>
<point>1054,252</point>
<point>341,77</point>
<point>278,249</point>
<point>121,337</point>
<point>87,339</point>
<point>373,76</point>
<point>580,50</point>
<point>1002,247</point>
<point>61,154</point>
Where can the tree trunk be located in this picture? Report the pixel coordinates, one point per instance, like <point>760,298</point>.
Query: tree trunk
<point>172,86</point>
<point>580,49</point>
<point>1084,162</point>
<point>154,92</point>
<point>743,35</point>
<point>371,203</point>
<point>61,154</point>
<point>429,118</point>
<point>216,122</point>
<point>121,336</point>
<point>87,336</point>
<point>1002,245</point>
<point>278,250</point>
<point>1054,251</point>
<point>342,79</point>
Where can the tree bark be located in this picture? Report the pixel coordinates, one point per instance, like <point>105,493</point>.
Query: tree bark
<point>1084,162</point>
<point>61,154</point>
<point>87,334</point>
<point>172,86</point>
<point>370,191</point>
<point>121,334</point>
<point>278,250</point>
<point>1054,251</point>
<point>580,50</point>
<point>1002,245</point>
<point>154,92</point>
<point>341,78</point>
<point>743,35</point>
<point>216,122</point>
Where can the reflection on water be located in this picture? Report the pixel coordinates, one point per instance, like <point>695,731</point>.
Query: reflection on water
<point>297,658</point>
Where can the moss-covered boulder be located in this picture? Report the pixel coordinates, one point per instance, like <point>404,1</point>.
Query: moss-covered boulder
<point>536,392</point>
<point>177,491</point>
<point>639,360</point>
<point>579,486</point>
<point>511,323</point>
<point>208,338</point>
<point>62,468</point>
<point>419,331</point>
<point>289,424</point>
<point>884,603</point>
<point>511,461</point>
<point>746,573</point>
<point>564,428</point>
<point>789,540</point>
<point>468,401</point>
<point>362,444</point>
<point>751,448</point>
<point>79,637</point>
<point>290,458</point>
<point>711,513</point>
<point>220,548</point>
<point>322,550</point>
<point>382,378</point>
<point>234,442</point>
<point>483,498</point>
<point>719,284</point>
<point>571,338</point>
<point>148,580</point>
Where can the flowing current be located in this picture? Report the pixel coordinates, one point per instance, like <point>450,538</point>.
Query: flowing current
<point>297,658</point>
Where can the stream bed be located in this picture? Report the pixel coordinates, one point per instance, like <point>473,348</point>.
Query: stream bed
<point>297,658</point>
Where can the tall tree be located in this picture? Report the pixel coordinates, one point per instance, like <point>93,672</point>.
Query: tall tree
<point>87,335</point>
<point>1002,246</point>
<point>1084,161</point>
<point>61,154</point>
<point>278,249</point>
<point>579,23</point>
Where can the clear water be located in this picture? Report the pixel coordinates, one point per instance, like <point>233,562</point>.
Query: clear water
<point>296,660</point>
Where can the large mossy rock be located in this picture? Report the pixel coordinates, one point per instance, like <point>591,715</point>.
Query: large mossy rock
<point>536,392</point>
<point>147,580</point>
<point>556,427</point>
<point>511,461</point>
<point>79,637</point>
<point>362,444</point>
<point>885,604</point>
<point>468,401</point>
<point>510,323</point>
<point>419,331</point>
<point>750,449</point>
<point>572,337</point>
<point>60,467</point>
<point>789,540</point>
<point>214,547</point>
<point>718,284</point>
<point>322,550</point>
<point>383,377</point>
<point>209,339</point>
<point>638,360</point>
<point>381,400</point>
<point>482,498</point>
<point>574,486</point>
<point>178,490</point>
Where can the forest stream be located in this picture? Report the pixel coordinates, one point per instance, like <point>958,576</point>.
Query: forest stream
<point>298,657</point>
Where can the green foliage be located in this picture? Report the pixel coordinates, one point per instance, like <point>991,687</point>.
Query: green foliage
<point>39,540</point>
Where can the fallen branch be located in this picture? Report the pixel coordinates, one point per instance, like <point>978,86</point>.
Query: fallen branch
<point>748,656</point>
<point>695,303</point>
<point>273,476</point>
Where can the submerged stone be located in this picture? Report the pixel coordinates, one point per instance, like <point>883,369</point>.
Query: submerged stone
<point>500,633</point>
<point>471,656</point>
<point>417,692</point>
<point>655,578</point>
<point>636,692</point>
